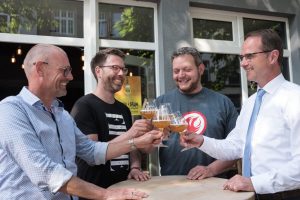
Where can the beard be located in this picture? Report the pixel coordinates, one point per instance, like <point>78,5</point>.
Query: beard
<point>109,85</point>
<point>191,88</point>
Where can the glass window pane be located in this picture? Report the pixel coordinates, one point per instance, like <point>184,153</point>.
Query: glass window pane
<point>211,29</point>
<point>44,17</point>
<point>120,22</point>
<point>70,27</point>
<point>256,24</point>
<point>222,74</point>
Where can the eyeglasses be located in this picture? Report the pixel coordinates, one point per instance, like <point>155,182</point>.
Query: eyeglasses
<point>116,68</point>
<point>249,56</point>
<point>66,69</point>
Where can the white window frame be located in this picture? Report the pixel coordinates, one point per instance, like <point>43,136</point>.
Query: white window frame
<point>122,44</point>
<point>234,47</point>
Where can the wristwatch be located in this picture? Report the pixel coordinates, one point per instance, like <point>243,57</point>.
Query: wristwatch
<point>132,145</point>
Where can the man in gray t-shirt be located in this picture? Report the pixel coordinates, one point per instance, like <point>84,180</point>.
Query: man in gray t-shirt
<point>207,112</point>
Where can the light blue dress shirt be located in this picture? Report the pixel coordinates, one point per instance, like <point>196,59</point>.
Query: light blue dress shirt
<point>37,153</point>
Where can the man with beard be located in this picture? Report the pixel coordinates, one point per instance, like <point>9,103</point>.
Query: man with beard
<point>207,113</point>
<point>103,118</point>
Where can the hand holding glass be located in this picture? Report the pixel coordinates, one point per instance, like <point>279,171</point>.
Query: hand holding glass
<point>161,120</point>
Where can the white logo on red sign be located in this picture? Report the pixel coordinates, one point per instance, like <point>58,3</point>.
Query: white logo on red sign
<point>196,122</point>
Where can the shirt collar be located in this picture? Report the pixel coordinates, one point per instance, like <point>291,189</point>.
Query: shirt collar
<point>33,100</point>
<point>272,86</point>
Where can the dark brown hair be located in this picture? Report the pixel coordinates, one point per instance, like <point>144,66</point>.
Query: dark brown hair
<point>101,57</point>
<point>188,51</point>
<point>270,41</point>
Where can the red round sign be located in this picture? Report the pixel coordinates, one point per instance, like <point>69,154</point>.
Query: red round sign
<point>196,122</point>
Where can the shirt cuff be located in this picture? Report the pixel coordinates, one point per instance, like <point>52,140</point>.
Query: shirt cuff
<point>59,178</point>
<point>262,184</point>
<point>206,145</point>
<point>100,152</point>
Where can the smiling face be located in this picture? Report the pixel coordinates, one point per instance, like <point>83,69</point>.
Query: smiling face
<point>55,82</point>
<point>259,67</point>
<point>110,80</point>
<point>186,74</point>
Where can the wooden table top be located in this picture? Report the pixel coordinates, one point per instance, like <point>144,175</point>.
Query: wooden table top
<point>179,188</point>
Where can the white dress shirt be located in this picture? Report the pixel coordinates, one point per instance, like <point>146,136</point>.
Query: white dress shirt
<point>275,157</point>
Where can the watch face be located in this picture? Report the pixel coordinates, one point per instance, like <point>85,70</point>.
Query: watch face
<point>132,145</point>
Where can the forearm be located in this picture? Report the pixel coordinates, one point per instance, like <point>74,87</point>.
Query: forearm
<point>124,136</point>
<point>116,149</point>
<point>77,187</point>
<point>220,166</point>
<point>135,159</point>
<point>221,149</point>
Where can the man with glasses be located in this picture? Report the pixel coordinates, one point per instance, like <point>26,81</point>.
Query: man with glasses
<point>103,118</point>
<point>39,140</point>
<point>267,132</point>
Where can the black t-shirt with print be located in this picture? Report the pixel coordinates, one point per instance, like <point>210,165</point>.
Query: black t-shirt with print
<point>93,115</point>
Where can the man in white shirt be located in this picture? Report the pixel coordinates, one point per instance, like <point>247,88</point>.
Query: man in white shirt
<point>275,153</point>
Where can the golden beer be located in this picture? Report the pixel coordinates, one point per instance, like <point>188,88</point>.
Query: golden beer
<point>161,123</point>
<point>178,127</point>
<point>147,114</point>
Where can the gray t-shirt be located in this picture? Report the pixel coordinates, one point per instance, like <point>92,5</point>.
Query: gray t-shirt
<point>207,112</point>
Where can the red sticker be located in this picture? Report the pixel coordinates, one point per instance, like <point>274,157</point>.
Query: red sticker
<point>196,122</point>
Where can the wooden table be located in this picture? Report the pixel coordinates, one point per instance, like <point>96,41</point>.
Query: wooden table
<point>179,188</point>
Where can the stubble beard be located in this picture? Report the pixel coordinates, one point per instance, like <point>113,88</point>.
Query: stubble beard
<point>193,86</point>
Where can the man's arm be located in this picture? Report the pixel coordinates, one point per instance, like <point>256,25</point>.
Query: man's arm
<point>135,167</point>
<point>138,128</point>
<point>77,187</point>
<point>213,169</point>
<point>116,149</point>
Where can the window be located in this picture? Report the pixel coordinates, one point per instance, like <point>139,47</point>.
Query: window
<point>122,22</point>
<point>212,29</point>
<point>222,74</point>
<point>219,36</point>
<point>48,17</point>
<point>251,24</point>
<point>4,22</point>
<point>132,27</point>
<point>64,22</point>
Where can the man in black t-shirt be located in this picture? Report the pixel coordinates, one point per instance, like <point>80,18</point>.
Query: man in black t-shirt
<point>103,118</point>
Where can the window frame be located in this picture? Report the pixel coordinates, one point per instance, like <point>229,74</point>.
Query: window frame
<point>234,47</point>
<point>124,44</point>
